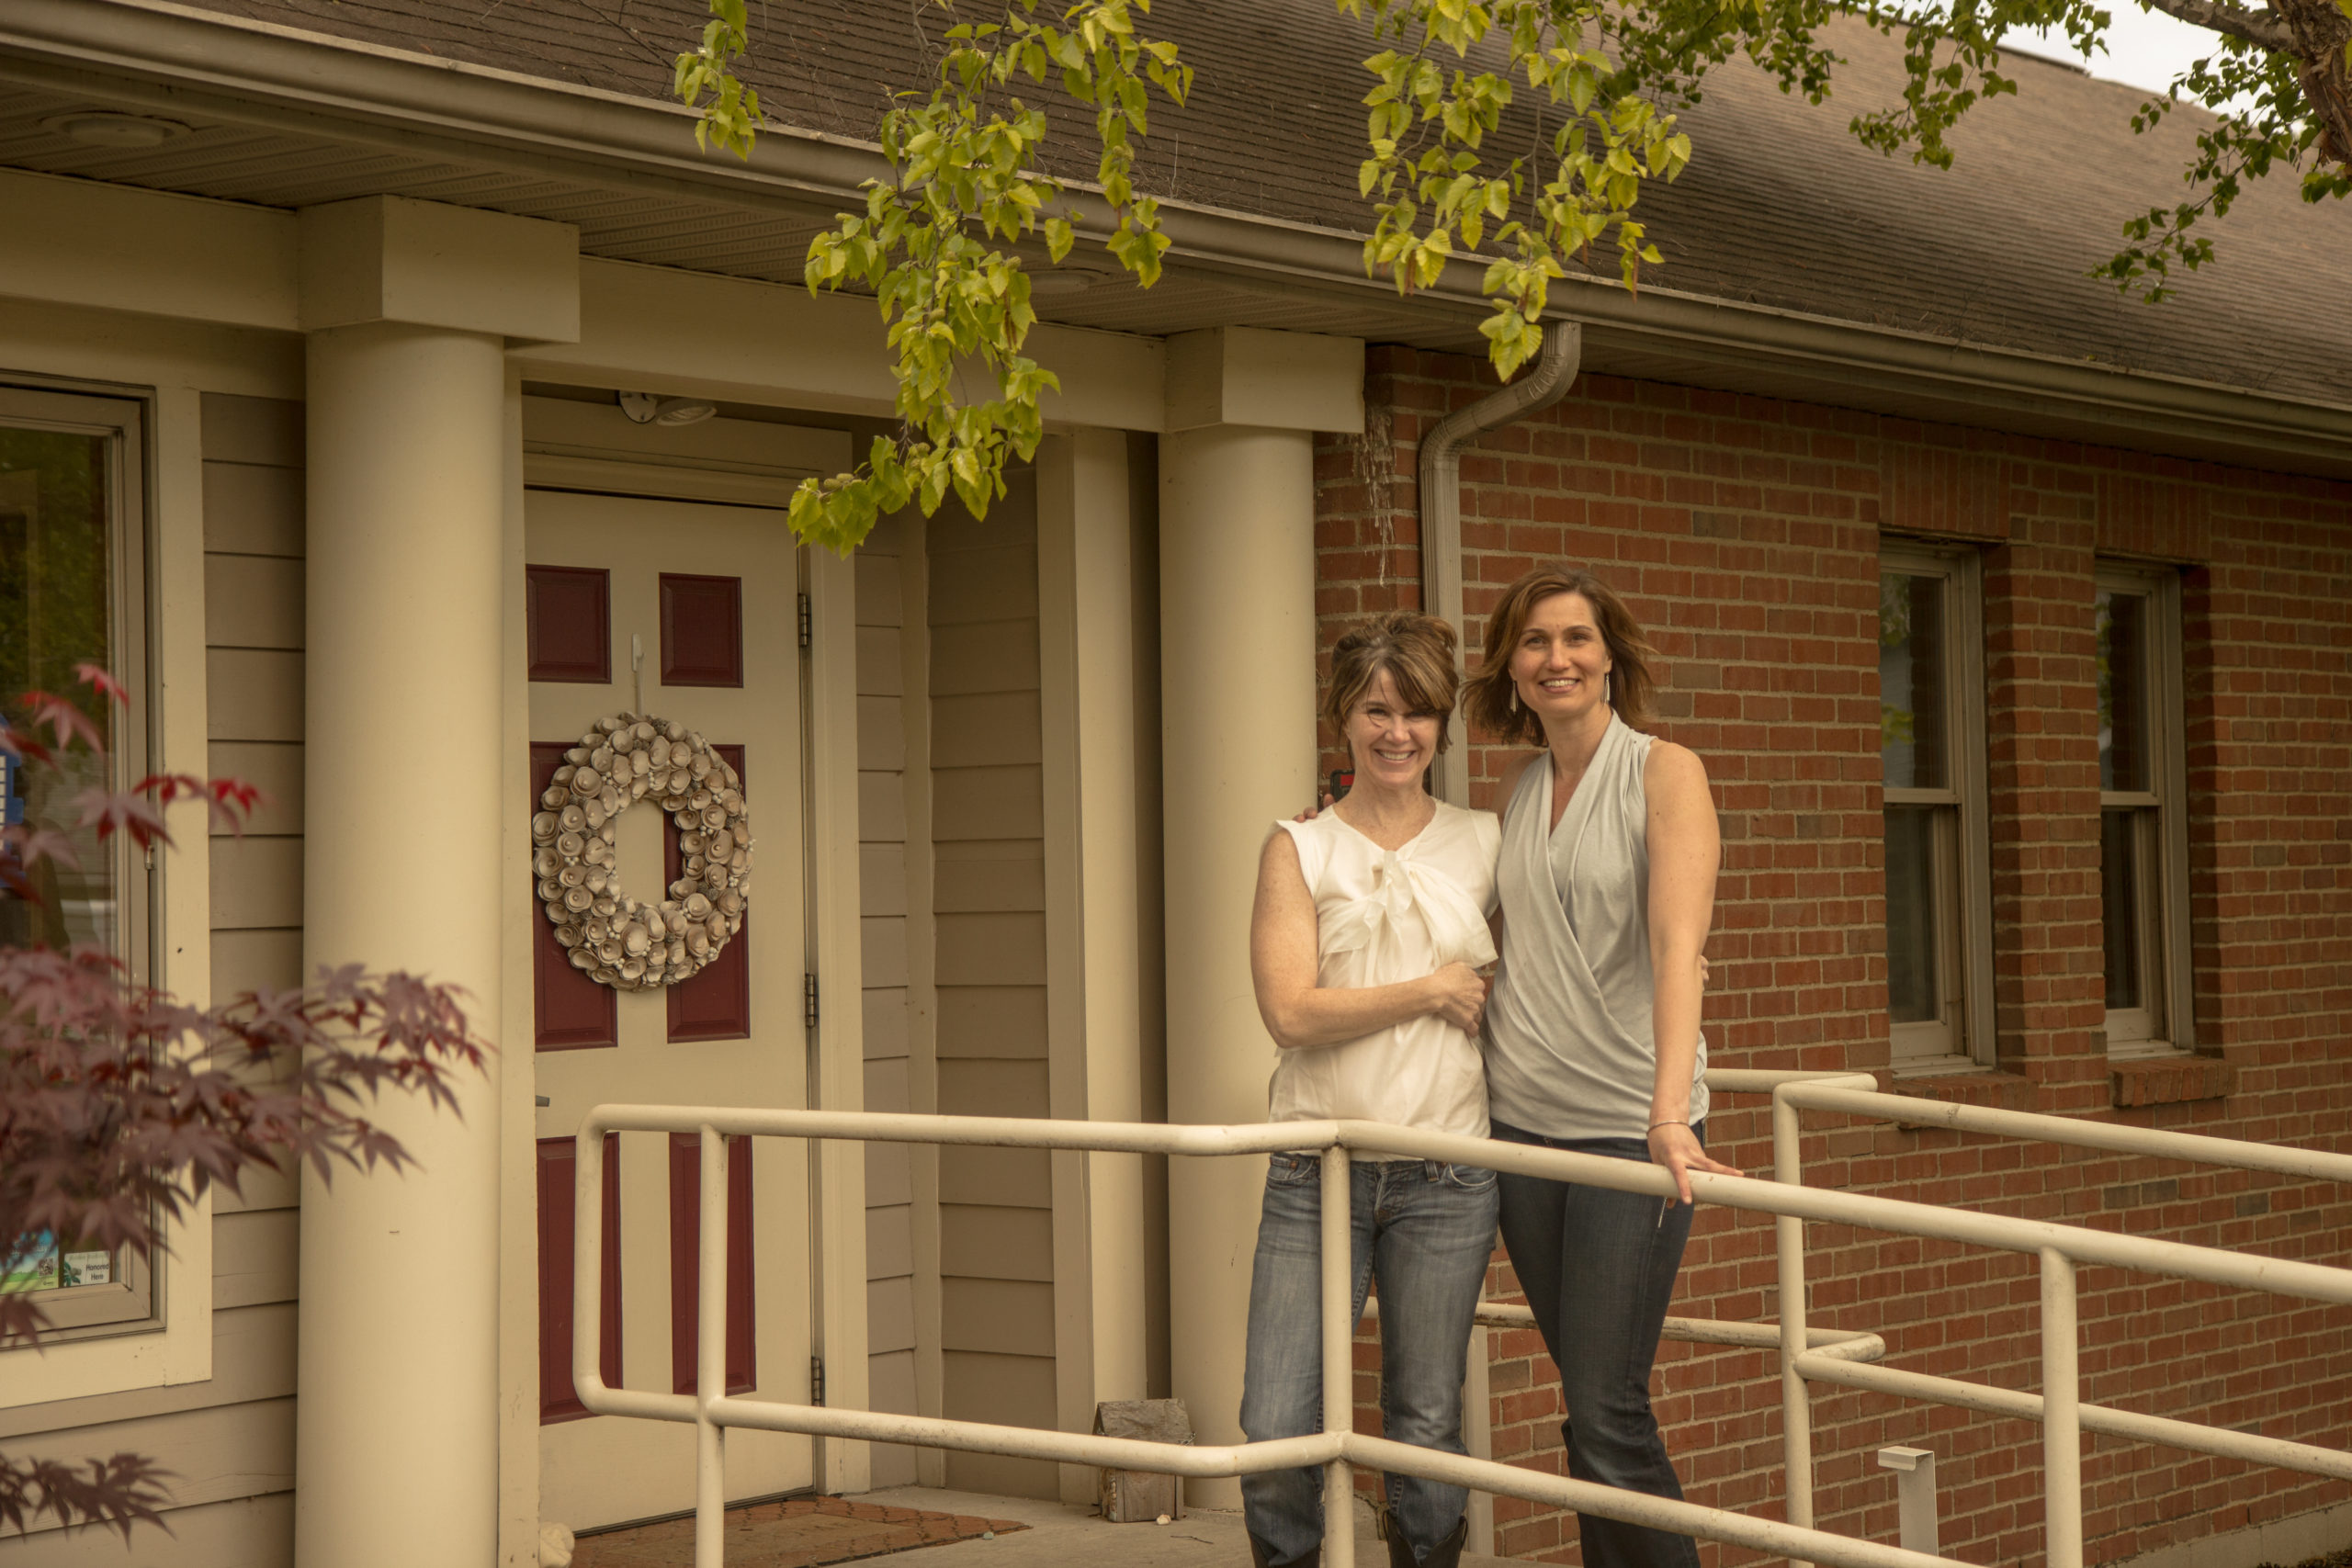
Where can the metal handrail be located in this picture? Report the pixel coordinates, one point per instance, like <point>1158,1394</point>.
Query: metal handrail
<point>1839,1344</point>
<point>1829,1356</point>
<point>2063,1417</point>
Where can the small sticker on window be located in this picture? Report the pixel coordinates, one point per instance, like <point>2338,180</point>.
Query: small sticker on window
<point>31,1264</point>
<point>87,1269</point>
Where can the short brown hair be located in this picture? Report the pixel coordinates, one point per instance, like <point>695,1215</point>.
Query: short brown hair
<point>1489,696</point>
<point>1417,652</point>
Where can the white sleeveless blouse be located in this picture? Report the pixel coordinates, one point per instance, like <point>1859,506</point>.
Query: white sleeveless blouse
<point>1383,916</point>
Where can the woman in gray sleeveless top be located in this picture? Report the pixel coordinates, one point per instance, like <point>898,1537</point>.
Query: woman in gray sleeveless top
<point>1607,884</point>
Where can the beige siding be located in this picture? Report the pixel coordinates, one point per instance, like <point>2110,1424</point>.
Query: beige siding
<point>255,1254</point>
<point>214,1452</point>
<point>882,892</point>
<point>253,694</point>
<point>253,621</point>
<point>247,961</point>
<point>229,1440</point>
<point>995,1242</point>
<point>253,1358</point>
<point>996,1205</point>
<point>248,1532</point>
<point>1012,1390</point>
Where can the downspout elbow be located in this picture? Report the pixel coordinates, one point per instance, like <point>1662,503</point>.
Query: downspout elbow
<point>1438,463</point>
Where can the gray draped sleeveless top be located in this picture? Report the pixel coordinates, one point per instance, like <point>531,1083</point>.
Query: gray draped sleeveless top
<point>1569,1048</point>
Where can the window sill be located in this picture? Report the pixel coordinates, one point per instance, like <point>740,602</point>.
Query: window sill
<point>2167,1080</point>
<point>2002,1091</point>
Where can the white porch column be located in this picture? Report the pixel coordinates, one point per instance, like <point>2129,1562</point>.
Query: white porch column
<point>1095,1021</point>
<point>408,306</point>
<point>1236,591</point>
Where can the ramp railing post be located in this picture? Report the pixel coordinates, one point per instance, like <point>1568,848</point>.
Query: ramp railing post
<point>1339,1358</point>
<point>710,1359</point>
<point>2061,1437</point>
<point>1915,1496</point>
<point>1796,1404</point>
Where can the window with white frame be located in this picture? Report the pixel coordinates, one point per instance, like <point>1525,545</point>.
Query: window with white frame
<point>2142,819</point>
<point>73,551</point>
<point>1932,749</point>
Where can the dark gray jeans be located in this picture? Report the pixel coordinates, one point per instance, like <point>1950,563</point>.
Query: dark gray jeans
<point>1427,1230</point>
<point>1598,1267</point>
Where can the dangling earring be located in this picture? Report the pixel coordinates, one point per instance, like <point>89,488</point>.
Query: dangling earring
<point>1604,692</point>
<point>1514,697</point>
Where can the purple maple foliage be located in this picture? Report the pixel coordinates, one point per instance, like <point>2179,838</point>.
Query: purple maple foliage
<point>119,1104</point>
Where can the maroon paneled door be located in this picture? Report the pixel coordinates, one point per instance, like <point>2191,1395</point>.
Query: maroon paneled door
<point>681,613</point>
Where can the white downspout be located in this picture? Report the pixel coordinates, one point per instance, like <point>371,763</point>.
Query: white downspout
<point>1440,463</point>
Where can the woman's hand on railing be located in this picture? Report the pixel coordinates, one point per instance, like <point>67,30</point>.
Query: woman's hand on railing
<point>1459,996</point>
<point>1674,1146</point>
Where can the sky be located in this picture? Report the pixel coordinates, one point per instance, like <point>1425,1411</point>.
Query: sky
<point>2146,48</point>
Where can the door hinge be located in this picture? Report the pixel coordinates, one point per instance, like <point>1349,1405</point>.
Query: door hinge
<point>816,1380</point>
<point>807,622</point>
<point>808,999</point>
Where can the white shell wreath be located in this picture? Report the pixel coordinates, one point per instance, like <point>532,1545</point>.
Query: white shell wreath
<point>621,941</point>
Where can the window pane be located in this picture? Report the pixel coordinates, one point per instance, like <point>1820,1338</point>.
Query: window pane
<point>1913,915</point>
<point>2119,887</point>
<point>56,591</point>
<point>56,612</point>
<point>2123,691</point>
<point>1911,664</point>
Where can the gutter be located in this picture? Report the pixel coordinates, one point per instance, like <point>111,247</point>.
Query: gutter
<point>1438,462</point>
<point>180,59</point>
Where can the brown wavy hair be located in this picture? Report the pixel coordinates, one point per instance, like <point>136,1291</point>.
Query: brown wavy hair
<point>1491,700</point>
<point>1417,652</point>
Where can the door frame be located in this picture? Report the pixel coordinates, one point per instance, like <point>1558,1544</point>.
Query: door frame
<point>560,444</point>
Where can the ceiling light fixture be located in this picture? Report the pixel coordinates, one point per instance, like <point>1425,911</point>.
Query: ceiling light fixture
<point>1060,282</point>
<point>652,408</point>
<point>109,128</point>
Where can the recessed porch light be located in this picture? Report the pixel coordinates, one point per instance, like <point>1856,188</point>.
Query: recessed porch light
<point>650,408</point>
<point>1053,282</point>
<point>109,128</point>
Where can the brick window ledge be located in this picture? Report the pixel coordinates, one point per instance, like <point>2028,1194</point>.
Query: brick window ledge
<point>2168,1080</point>
<point>2002,1091</point>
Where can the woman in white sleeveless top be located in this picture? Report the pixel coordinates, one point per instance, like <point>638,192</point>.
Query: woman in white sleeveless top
<point>1369,930</point>
<point>1607,880</point>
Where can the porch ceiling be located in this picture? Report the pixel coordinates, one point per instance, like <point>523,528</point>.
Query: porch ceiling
<point>231,159</point>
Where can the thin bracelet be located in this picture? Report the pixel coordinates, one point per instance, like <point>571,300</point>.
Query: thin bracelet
<point>1656,1125</point>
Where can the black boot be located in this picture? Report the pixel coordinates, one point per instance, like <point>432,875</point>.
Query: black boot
<point>1446,1554</point>
<point>1263,1556</point>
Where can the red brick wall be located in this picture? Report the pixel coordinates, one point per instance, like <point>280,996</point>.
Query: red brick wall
<point>1742,531</point>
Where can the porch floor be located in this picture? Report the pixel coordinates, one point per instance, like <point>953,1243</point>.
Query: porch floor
<point>1063,1534</point>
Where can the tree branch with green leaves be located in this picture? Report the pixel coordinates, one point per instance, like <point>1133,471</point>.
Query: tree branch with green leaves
<point>932,243</point>
<point>1598,85</point>
<point>1430,185</point>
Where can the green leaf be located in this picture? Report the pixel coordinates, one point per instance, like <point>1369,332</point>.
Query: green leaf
<point>956,312</point>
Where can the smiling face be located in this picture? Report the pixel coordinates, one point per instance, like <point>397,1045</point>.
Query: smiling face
<point>1561,661</point>
<point>1391,743</point>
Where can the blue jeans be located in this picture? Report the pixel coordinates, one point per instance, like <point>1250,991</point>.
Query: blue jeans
<point>1598,1267</point>
<point>1426,1230</point>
